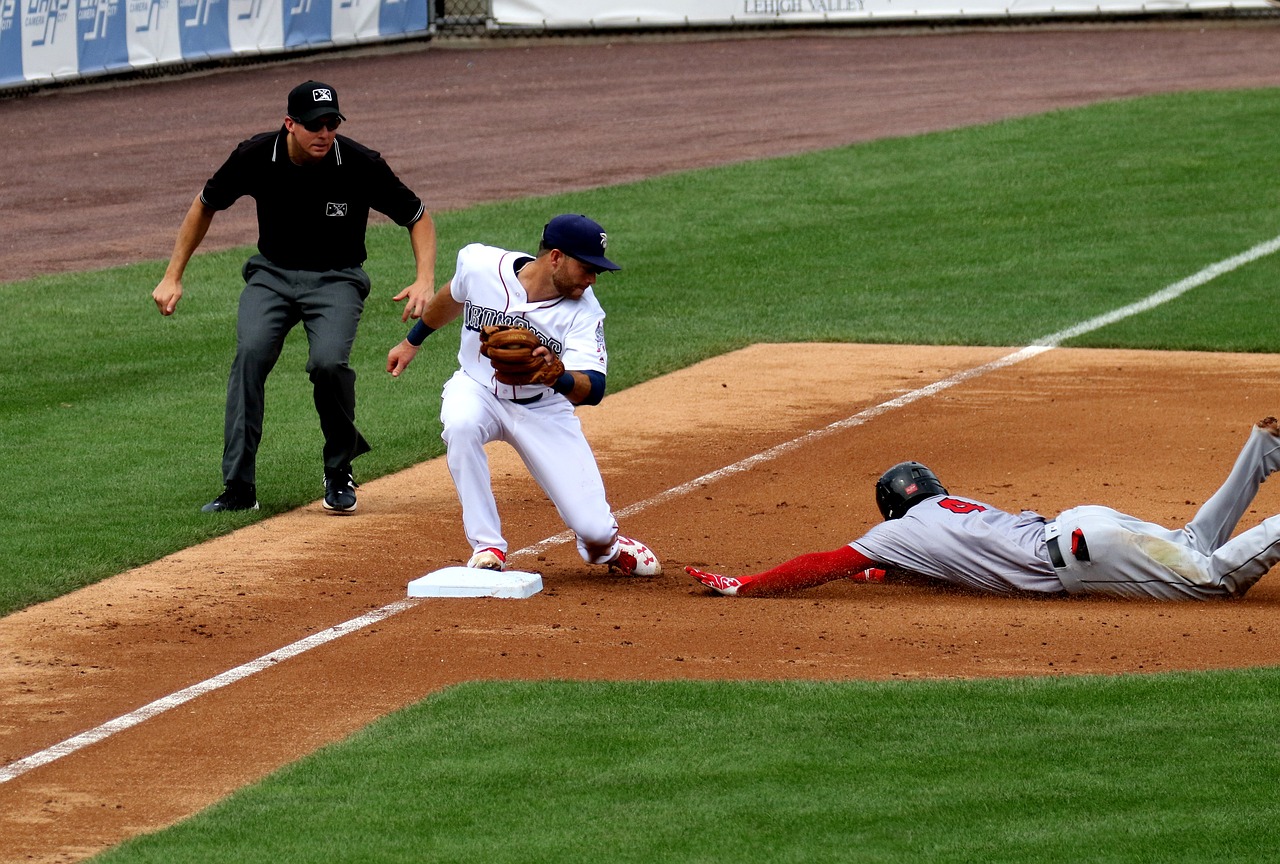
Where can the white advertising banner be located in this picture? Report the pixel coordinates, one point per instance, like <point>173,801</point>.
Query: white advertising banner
<point>152,28</point>
<point>354,20</point>
<point>254,24</point>
<point>51,40</point>
<point>590,14</point>
<point>49,36</point>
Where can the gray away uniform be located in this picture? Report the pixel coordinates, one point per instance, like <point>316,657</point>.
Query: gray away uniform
<point>1090,549</point>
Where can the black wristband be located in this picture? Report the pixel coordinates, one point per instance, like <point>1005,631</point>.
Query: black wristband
<point>564,384</point>
<point>419,333</point>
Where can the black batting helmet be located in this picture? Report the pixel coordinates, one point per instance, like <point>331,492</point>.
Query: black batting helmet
<point>903,486</point>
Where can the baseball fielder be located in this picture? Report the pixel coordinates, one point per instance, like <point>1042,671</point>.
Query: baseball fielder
<point>551,295</point>
<point>1086,550</point>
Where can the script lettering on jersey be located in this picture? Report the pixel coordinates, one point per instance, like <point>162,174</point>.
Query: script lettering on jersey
<point>474,317</point>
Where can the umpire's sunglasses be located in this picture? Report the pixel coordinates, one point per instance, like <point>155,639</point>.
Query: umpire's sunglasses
<point>330,123</point>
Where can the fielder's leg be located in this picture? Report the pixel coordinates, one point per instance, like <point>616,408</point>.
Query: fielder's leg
<point>549,439</point>
<point>469,415</point>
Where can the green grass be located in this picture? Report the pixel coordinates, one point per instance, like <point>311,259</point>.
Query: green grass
<point>111,426</point>
<point>1169,768</point>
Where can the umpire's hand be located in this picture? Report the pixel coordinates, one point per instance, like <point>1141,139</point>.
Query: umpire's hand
<point>167,295</point>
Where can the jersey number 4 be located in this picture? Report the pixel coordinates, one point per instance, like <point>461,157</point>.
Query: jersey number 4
<point>955,505</point>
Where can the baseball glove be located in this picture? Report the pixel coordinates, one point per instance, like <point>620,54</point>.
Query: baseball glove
<point>510,352</point>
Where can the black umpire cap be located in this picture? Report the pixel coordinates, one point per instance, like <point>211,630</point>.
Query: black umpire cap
<point>312,99</point>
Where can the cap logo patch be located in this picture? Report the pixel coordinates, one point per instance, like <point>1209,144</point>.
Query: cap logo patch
<point>604,241</point>
<point>322,94</point>
<point>335,209</point>
<point>911,490</point>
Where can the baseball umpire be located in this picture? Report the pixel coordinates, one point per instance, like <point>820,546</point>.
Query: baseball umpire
<point>314,190</point>
<point>1091,549</point>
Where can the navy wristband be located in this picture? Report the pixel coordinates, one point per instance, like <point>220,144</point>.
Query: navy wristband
<point>564,384</point>
<point>419,333</point>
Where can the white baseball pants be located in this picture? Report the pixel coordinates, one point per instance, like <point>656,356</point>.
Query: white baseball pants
<point>548,437</point>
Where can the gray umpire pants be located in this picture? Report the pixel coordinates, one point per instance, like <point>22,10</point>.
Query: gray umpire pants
<point>328,304</point>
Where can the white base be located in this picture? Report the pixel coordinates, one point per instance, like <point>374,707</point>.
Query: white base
<point>472,582</point>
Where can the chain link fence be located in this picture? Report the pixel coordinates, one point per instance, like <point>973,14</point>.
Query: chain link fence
<point>461,17</point>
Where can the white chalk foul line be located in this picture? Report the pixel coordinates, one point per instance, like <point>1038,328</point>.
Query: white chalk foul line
<point>1039,346</point>
<point>1164,295</point>
<point>173,700</point>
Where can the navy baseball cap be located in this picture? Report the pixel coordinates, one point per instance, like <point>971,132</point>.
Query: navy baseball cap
<point>312,99</point>
<point>578,237</point>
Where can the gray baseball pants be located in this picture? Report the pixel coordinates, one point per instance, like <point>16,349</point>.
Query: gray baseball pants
<point>1133,558</point>
<point>328,304</point>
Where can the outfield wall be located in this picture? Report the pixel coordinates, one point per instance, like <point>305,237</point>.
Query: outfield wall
<point>52,40</point>
<point>44,41</point>
<point>592,14</point>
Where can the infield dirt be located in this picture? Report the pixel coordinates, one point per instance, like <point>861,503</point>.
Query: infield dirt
<point>99,193</point>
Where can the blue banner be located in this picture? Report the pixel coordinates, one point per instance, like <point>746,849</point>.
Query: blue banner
<point>100,32</point>
<point>307,22</point>
<point>48,40</point>
<point>202,27</point>
<point>10,42</point>
<point>401,16</point>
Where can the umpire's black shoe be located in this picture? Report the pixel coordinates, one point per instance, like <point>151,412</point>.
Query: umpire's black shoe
<point>237,496</point>
<point>339,490</point>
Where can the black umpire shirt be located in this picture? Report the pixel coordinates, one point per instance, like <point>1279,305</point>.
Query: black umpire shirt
<point>312,217</point>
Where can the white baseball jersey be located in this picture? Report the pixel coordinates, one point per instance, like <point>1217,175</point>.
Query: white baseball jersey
<point>965,542</point>
<point>485,282</point>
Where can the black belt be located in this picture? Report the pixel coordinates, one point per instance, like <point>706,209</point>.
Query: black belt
<point>1055,554</point>
<point>1079,549</point>
<point>529,401</point>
